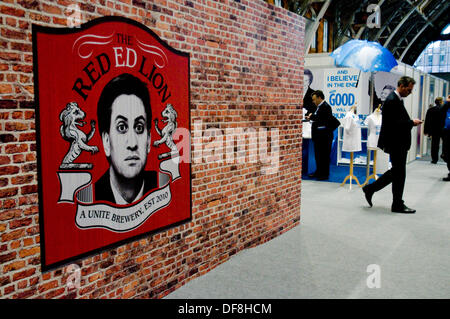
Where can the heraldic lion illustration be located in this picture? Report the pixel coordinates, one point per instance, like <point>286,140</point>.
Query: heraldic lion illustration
<point>167,132</point>
<point>72,117</point>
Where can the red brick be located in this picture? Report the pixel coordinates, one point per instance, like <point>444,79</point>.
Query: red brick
<point>55,293</point>
<point>20,223</point>
<point>23,68</point>
<point>24,137</point>
<point>11,34</point>
<point>18,158</point>
<point>25,294</point>
<point>39,17</point>
<point>16,234</point>
<point>4,281</point>
<point>29,4</point>
<point>28,242</point>
<point>24,274</point>
<point>29,189</point>
<point>9,170</point>
<point>13,266</point>
<point>29,115</point>
<point>6,88</point>
<point>51,9</point>
<point>60,21</point>
<point>23,179</point>
<point>29,252</point>
<point>47,286</point>
<point>28,200</point>
<point>8,203</point>
<point>8,104</point>
<point>10,56</point>
<point>16,148</point>
<point>10,11</point>
<point>31,167</point>
<point>17,115</point>
<point>8,192</point>
<point>7,257</point>
<point>16,126</point>
<point>9,289</point>
<point>4,160</point>
<point>10,214</point>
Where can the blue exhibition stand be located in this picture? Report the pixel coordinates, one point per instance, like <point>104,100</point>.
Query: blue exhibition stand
<point>337,173</point>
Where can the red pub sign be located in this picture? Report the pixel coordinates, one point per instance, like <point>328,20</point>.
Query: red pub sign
<point>113,130</point>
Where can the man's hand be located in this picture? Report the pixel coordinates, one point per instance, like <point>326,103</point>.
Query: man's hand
<point>417,122</point>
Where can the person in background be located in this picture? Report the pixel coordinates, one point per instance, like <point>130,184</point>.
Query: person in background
<point>433,128</point>
<point>322,135</point>
<point>445,111</point>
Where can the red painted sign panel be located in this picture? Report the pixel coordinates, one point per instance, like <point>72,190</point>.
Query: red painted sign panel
<point>113,136</point>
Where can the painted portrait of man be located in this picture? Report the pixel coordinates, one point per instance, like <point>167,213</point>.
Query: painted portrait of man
<point>124,118</point>
<point>308,104</point>
<point>387,89</point>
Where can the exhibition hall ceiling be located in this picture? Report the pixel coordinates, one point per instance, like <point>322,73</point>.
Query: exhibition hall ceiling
<point>405,27</point>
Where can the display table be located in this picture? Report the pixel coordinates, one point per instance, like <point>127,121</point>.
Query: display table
<point>308,159</point>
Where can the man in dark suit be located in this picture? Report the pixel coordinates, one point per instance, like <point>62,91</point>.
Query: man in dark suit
<point>322,135</point>
<point>433,128</point>
<point>395,139</point>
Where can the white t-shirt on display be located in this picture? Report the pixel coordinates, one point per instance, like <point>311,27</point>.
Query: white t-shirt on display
<point>373,122</point>
<point>352,133</point>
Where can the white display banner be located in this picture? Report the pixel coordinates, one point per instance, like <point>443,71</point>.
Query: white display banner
<point>343,88</point>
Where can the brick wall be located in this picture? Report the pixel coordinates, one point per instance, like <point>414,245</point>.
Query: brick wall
<point>246,71</point>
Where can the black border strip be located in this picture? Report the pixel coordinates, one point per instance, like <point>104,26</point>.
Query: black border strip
<point>51,30</point>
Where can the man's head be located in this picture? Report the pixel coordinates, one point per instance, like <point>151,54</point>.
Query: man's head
<point>124,115</point>
<point>317,97</point>
<point>405,86</point>
<point>439,100</point>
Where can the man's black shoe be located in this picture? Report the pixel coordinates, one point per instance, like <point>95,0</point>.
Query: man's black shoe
<point>368,195</point>
<point>433,162</point>
<point>313,175</point>
<point>322,178</point>
<point>403,210</point>
<point>446,179</point>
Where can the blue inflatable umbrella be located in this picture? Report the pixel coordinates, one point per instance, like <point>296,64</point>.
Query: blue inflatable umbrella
<point>364,55</point>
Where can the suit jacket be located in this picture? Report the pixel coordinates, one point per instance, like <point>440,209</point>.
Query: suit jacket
<point>396,125</point>
<point>443,115</point>
<point>433,121</point>
<point>321,121</point>
<point>103,191</point>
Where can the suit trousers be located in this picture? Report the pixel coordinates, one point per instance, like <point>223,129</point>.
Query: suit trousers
<point>435,142</point>
<point>396,175</point>
<point>446,148</point>
<point>322,149</point>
